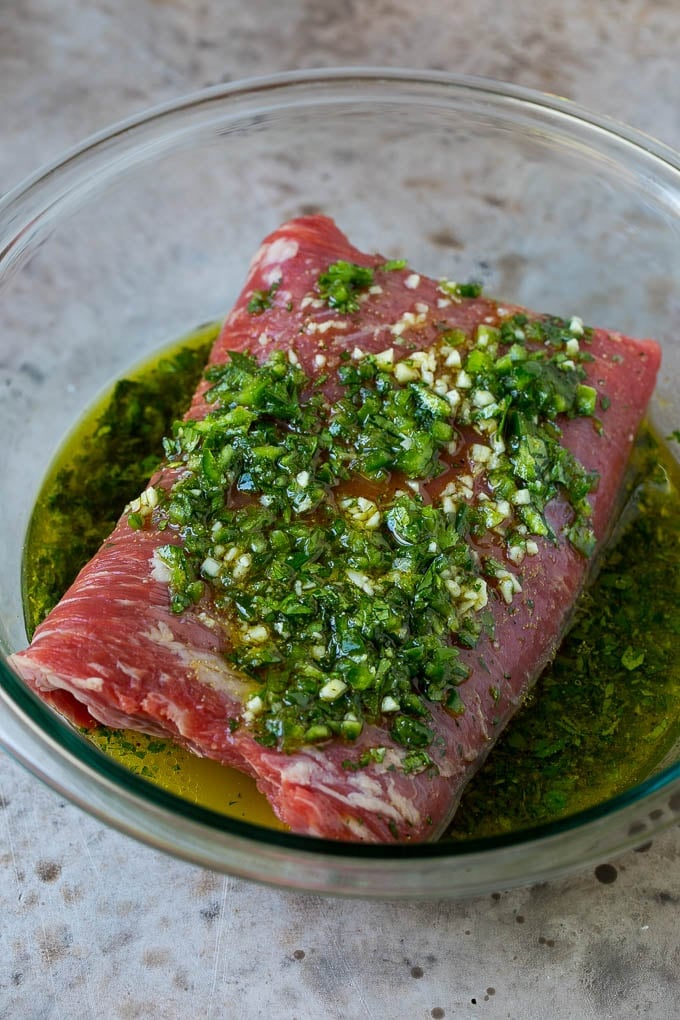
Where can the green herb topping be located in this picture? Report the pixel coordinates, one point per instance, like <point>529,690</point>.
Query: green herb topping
<point>456,291</point>
<point>340,283</point>
<point>605,713</point>
<point>341,605</point>
<point>521,390</point>
<point>261,300</point>
<point>346,606</point>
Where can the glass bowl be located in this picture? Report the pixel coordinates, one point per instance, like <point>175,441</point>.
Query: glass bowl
<point>146,230</point>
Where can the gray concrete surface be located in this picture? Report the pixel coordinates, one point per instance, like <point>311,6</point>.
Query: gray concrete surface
<point>94,925</point>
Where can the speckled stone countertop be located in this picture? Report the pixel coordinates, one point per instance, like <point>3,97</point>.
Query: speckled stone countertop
<point>94,925</point>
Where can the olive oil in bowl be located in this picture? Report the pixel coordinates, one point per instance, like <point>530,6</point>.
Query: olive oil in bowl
<point>600,719</point>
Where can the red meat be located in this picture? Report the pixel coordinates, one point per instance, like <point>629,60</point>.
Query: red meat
<point>112,650</point>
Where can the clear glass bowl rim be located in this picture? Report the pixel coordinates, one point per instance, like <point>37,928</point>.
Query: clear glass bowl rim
<point>94,781</point>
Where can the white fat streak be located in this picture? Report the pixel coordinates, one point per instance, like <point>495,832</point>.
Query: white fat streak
<point>367,793</point>
<point>280,250</point>
<point>135,674</point>
<point>404,806</point>
<point>356,827</point>
<point>300,772</point>
<point>208,667</point>
<point>272,276</point>
<point>88,683</point>
<point>161,634</point>
<point>171,710</point>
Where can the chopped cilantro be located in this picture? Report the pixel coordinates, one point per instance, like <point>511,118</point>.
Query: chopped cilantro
<point>473,289</point>
<point>417,761</point>
<point>340,608</point>
<point>631,659</point>
<point>339,284</point>
<point>411,732</point>
<point>372,755</point>
<point>261,300</point>
<point>528,388</point>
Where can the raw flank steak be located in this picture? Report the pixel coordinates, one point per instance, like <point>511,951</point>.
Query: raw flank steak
<point>362,551</point>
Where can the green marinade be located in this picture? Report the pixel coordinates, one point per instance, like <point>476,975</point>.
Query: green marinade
<point>105,463</point>
<point>606,712</point>
<point>600,718</point>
